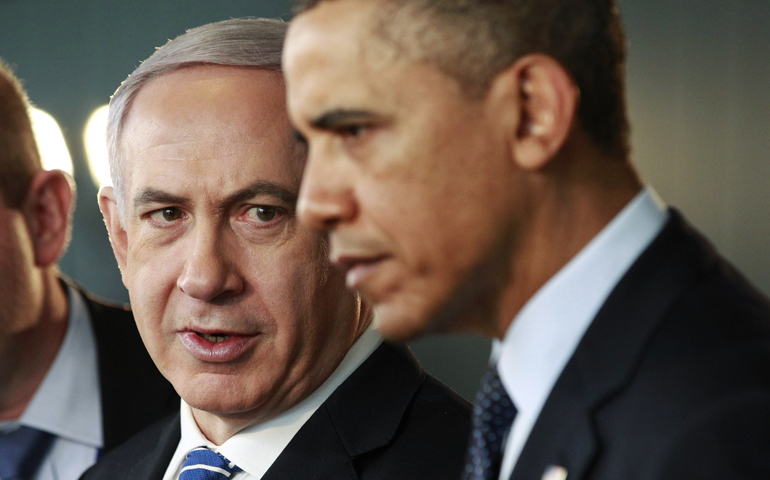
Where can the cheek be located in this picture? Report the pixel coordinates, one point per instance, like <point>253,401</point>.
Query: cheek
<point>287,279</point>
<point>149,266</point>
<point>435,196</point>
<point>21,292</point>
<point>303,293</point>
<point>421,221</point>
<point>315,322</point>
<point>151,275</point>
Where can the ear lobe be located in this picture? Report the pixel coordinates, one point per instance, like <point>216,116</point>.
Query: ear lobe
<point>48,209</point>
<point>118,238</point>
<point>546,105</point>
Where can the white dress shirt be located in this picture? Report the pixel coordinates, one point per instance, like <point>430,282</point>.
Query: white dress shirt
<point>68,402</point>
<point>254,449</point>
<point>545,333</point>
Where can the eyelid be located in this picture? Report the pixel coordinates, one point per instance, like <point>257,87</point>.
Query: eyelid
<point>282,211</point>
<point>347,130</point>
<point>363,127</point>
<point>149,215</point>
<point>286,205</point>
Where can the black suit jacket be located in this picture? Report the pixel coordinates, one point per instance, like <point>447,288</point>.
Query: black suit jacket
<point>134,393</point>
<point>670,381</point>
<point>388,420</point>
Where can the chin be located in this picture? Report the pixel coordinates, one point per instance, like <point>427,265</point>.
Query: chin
<point>219,406</point>
<point>416,318</point>
<point>218,395</point>
<point>400,324</point>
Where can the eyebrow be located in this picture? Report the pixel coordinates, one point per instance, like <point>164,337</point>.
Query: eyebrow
<point>263,188</point>
<point>153,195</point>
<point>341,117</point>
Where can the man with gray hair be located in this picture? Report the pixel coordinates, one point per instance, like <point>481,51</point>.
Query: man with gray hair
<point>75,379</point>
<point>279,370</point>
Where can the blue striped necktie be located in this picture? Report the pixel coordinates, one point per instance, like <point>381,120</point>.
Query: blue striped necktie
<point>205,464</point>
<point>493,414</point>
<point>22,452</point>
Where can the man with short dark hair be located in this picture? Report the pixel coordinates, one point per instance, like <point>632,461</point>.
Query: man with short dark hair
<point>279,370</point>
<point>470,163</point>
<point>75,379</point>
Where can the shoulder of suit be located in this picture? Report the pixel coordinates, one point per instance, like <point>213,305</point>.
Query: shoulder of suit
<point>157,440</point>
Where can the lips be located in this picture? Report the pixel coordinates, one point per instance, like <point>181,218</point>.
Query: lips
<point>214,346</point>
<point>216,338</point>
<point>358,269</point>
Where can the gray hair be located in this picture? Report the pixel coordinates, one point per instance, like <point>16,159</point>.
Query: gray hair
<point>245,42</point>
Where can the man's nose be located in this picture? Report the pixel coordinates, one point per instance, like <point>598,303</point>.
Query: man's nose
<point>208,273</point>
<point>326,195</point>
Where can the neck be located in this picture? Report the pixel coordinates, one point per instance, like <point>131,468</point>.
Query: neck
<point>27,355</point>
<point>575,200</point>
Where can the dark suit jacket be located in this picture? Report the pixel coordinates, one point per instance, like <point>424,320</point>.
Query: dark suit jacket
<point>671,380</point>
<point>134,393</point>
<point>388,420</point>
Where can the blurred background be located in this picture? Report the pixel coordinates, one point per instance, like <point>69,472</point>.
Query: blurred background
<point>698,89</point>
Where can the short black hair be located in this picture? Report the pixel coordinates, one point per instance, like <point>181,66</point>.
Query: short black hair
<point>486,36</point>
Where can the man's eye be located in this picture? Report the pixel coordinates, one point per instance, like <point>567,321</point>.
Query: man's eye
<point>166,214</point>
<point>352,130</point>
<point>264,213</point>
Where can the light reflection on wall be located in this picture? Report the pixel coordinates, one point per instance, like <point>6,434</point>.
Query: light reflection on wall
<point>95,138</point>
<point>50,141</point>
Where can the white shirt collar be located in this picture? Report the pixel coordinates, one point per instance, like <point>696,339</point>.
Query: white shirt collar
<point>59,406</point>
<point>546,332</point>
<point>254,449</point>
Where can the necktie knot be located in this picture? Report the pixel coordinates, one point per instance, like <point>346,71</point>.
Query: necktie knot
<point>205,464</point>
<point>493,414</point>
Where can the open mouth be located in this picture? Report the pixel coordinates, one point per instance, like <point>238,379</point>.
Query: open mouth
<point>215,337</point>
<point>213,346</point>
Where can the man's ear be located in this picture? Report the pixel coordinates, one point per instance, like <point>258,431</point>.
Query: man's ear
<point>118,239</point>
<point>48,209</point>
<point>540,101</point>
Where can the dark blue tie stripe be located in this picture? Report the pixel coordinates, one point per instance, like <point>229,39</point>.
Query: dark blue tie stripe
<point>22,452</point>
<point>205,464</point>
<point>493,414</point>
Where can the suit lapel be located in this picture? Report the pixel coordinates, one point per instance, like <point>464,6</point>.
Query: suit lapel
<point>133,392</point>
<point>144,457</point>
<point>606,357</point>
<point>153,464</point>
<point>362,415</point>
<point>315,452</point>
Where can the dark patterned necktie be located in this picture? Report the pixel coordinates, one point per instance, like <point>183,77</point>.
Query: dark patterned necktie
<point>493,414</point>
<point>205,464</point>
<point>22,452</point>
